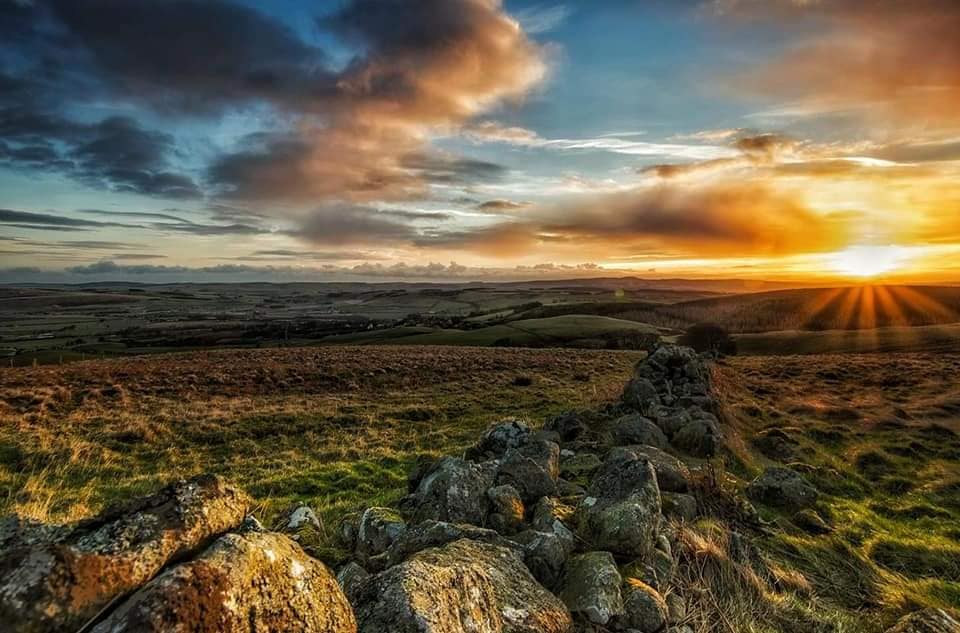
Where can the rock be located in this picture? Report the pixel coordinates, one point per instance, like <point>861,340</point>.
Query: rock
<point>506,510</point>
<point>636,429</point>
<point>377,531</point>
<point>351,578</point>
<point>579,467</point>
<point>775,444</point>
<point>671,472</point>
<point>545,553</point>
<point>811,522</point>
<point>644,609</point>
<point>679,506</point>
<point>569,425</point>
<point>621,513</point>
<point>640,394</point>
<point>570,490</point>
<point>301,516</point>
<point>548,512</point>
<point>927,621</point>
<point>465,586</point>
<point>498,438</point>
<point>782,488</point>
<point>243,583</point>
<point>60,584</point>
<point>429,534</point>
<point>454,490</point>
<point>659,570</point>
<point>698,438</point>
<point>532,469</point>
<point>591,587</point>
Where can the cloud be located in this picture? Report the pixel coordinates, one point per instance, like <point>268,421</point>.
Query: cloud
<point>501,206</point>
<point>328,256</point>
<point>336,224</point>
<point>137,256</point>
<point>897,62</point>
<point>21,218</point>
<point>701,220</point>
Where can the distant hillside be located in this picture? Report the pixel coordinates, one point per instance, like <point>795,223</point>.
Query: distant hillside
<point>571,330</point>
<point>853,308</point>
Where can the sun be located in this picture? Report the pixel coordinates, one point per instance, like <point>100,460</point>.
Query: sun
<point>868,261</point>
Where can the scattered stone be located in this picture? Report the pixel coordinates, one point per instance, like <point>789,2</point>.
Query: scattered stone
<point>499,438</point>
<point>640,394</point>
<point>775,444</point>
<point>579,466</point>
<point>621,513</point>
<point>591,587</point>
<point>465,586</point>
<point>59,585</point>
<point>636,429</point>
<point>927,621</point>
<point>782,488</point>
<point>569,425</point>
<point>679,506</point>
<point>302,515</point>
<point>455,490</point>
<point>351,578</point>
<point>644,608</point>
<point>241,584</point>
<point>377,531</point>
<point>506,510</point>
<point>436,533</point>
<point>698,438</point>
<point>545,553</point>
<point>532,469</point>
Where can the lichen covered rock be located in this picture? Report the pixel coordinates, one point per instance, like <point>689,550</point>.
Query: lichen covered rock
<point>60,584</point>
<point>591,587</point>
<point>244,583</point>
<point>465,586</point>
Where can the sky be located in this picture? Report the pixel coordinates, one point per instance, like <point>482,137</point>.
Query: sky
<point>362,140</point>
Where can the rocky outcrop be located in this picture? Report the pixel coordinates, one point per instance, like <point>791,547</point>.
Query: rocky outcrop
<point>463,586</point>
<point>62,583</point>
<point>531,530</point>
<point>243,583</point>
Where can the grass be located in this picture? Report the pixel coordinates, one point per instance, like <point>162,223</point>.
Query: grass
<point>335,427</point>
<point>877,434</point>
<point>885,340</point>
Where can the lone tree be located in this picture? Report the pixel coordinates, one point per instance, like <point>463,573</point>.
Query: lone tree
<point>710,338</point>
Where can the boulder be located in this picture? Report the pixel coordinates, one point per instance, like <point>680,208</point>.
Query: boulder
<point>591,587</point>
<point>782,488</point>
<point>377,531</point>
<point>927,621</point>
<point>532,469</point>
<point>640,394</point>
<point>698,438</point>
<point>454,490</point>
<point>621,513</point>
<point>579,466</point>
<point>636,429</point>
<point>545,553</point>
<point>429,534</point>
<point>644,609</point>
<point>464,586</point>
<point>671,472</point>
<point>351,578</point>
<point>60,584</point>
<point>569,425</point>
<point>243,583</point>
<point>506,509</point>
<point>498,438</point>
<point>679,506</point>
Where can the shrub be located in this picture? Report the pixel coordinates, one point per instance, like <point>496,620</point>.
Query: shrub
<point>709,338</point>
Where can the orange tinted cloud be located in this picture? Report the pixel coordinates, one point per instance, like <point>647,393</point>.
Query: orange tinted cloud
<point>898,60</point>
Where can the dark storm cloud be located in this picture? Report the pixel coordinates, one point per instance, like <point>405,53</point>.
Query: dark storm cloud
<point>336,224</point>
<point>21,218</point>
